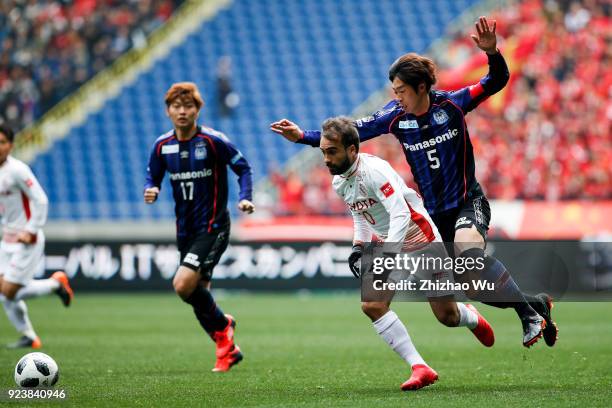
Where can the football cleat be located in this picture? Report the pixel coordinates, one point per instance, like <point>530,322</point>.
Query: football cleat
<point>64,291</point>
<point>551,331</point>
<point>26,342</point>
<point>422,376</point>
<point>225,337</point>
<point>483,331</point>
<point>532,329</point>
<point>226,362</point>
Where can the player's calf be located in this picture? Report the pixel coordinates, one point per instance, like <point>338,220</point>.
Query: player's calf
<point>446,311</point>
<point>375,310</point>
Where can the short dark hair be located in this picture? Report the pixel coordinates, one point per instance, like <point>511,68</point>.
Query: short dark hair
<point>414,69</point>
<point>342,127</point>
<point>8,132</point>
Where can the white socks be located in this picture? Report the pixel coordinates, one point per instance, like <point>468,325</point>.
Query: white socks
<point>467,317</point>
<point>37,287</point>
<point>393,331</point>
<point>17,312</point>
<point>16,309</point>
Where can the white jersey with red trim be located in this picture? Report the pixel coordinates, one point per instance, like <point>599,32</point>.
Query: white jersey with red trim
<point>23,202</point>
<point>381,203</point>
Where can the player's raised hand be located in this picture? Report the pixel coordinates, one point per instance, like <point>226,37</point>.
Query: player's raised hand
<point>150,195</point>
<point>288,129</point>
<point>485,38</point>
<point>246,206</point>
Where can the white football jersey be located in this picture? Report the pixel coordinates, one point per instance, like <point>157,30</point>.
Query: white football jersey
<point>23,202</point>
<point>381,203</point>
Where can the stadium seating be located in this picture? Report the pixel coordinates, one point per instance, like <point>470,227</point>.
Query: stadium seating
<point>304,60</point>
<point>552,117</point>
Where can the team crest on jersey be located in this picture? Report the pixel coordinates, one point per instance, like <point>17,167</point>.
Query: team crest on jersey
<point>440,117</point>
<point>200,151</point>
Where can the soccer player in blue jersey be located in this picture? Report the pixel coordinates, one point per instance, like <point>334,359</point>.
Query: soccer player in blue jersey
<point>430,126</point>
<point>196,160</point>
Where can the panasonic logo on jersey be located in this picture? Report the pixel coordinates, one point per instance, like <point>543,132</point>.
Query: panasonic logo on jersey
<point>188,175</point>
<point>432,142</point>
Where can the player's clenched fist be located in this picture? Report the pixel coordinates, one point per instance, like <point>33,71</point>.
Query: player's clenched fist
<point>150,195</point>
<point>246,206</point>
<point>288,129</point>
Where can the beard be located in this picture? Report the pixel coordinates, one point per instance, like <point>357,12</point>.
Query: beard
<point>340,168</point>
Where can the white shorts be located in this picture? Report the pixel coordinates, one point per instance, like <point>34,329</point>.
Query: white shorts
<point>19,263</point>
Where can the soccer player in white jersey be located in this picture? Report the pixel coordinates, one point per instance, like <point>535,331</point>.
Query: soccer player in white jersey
<point>395,214</point>
<point>23,207</point>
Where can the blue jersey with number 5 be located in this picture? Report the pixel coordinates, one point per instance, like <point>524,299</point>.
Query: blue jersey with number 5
<point>436,144</point>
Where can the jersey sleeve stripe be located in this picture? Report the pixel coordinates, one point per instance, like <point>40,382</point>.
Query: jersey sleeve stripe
<point>476,90</point>
<point>26,205</point>
<point>216,183</point>
<point>464,148</point>
<point>422,223</point>
<point>393,121</point>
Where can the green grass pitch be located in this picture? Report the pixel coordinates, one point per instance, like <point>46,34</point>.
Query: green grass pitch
<point>144,350</point>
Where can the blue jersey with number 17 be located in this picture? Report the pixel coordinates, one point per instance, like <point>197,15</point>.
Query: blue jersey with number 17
<point>197,169</point>
<point>436,144</point>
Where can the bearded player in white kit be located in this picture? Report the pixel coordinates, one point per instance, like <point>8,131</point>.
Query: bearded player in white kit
<point>23,207</point>
<point>395,214</point>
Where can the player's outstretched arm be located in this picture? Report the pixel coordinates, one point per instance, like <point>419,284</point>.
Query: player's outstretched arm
<point>287,129</point>
<point>246,206</point>
<point>496,79</point>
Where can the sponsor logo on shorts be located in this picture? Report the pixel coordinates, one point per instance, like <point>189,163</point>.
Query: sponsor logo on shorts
<point>463,221</point>
<point>192,259</point>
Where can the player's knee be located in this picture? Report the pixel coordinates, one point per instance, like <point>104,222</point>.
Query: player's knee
<point>9,290</point>
<point>374,310</point>
<point>183,288</point>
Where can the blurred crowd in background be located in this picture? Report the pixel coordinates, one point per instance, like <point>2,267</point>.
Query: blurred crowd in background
<point>547,136</point>
<point>49,48</point>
